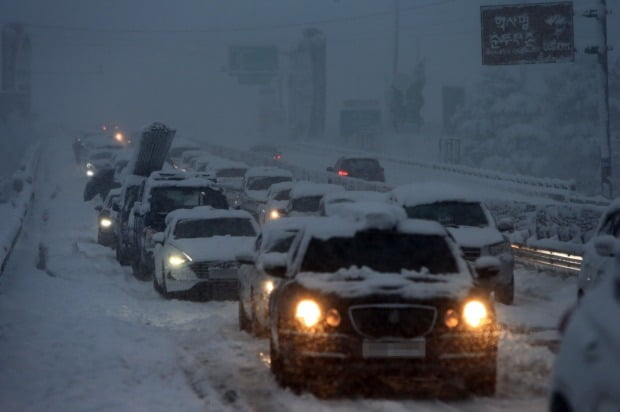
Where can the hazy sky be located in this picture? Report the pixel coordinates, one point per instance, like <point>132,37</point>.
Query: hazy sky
<point>135,61</point>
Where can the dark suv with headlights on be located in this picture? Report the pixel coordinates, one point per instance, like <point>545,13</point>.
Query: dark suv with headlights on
<point>106,218</point>
<point>377,304</point>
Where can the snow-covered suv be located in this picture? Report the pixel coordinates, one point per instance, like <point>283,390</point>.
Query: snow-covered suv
<point>469,221</point>
<point>256,183</point>
<point>381,297</point>
<point>593,265</point>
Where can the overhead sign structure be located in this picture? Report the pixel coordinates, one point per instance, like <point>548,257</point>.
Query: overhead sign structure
<point>253,64</point>
<point>527,33</point>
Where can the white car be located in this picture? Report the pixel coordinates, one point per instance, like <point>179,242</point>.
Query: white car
<point>594,265</point>
<point>197,252</point>
<point>305,197</point>
<point>278,196</point>
<point>256,184</point>
<point>469,221</point>
<point>262,272</point>
<point>586,376</point>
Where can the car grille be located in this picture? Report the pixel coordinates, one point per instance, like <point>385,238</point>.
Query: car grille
<point>215,270</point>
<point>471,253</point>
<point>393,320</point>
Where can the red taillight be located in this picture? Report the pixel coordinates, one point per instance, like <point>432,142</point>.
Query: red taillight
<point>343,173</point>
<point>278,157</point>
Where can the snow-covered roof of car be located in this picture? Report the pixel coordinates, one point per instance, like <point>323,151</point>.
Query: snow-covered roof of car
<point>279,187</point>
<point>354,196</point>
<point>303,189</point>
<point>205,212</point>
<point>430,192</point>
<point>375,214</point>
<point>264,171</point>
<point>289,223</point>
<point>187,182</point>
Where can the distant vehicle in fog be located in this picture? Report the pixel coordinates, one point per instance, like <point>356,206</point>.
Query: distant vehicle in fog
<point>197,252</point>
<point>586,375</point>
<point>305,197</point>
<point>106,219</point>
<point>267,150</point>
<point>469,221</point>
<point>359,167</point>
<point>274,208</point>
<point>378,298</point>
<point>256,184</point>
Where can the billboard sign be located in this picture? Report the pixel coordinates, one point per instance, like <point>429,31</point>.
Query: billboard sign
<point>527,33</point>
<point>253,64</point>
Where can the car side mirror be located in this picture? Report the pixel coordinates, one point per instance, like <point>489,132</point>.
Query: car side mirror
<point>487,267</point>
<point>605,245</point>
<point>274,264</point>
<point>98,208</point>
<point>159,238</point>
<point>330,169</point>
<point>505,225</point>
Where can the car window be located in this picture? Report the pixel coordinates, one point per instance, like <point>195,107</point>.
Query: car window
<point>166,199</point>
<point>282,244</point>
<point>306,204</point>
<point>201,228</point>
<point>370,248</point>
<point>450,213</point>
<point>264,182</point>
<point>362,164</point>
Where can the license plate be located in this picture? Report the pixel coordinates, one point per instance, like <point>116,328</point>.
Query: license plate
<point>230,273</point>
<point>415,348</point>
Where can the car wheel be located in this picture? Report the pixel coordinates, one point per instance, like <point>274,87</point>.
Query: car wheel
<point>121,256</point>
<point>506,293</point>
<point>244,321</point>
<point>559,404</point>
<point>257,329</point>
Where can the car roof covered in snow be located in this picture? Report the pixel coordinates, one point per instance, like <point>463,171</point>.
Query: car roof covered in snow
<point>265,171</point>
<point>280,187</point>
<point>304,189</point>
<point>204,213</point>
<point>430,192</point>
<point>354,196</point>
<point>373,213</point>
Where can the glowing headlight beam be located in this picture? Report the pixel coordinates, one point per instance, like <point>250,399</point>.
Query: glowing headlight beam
<point>274,214</point>
<point>90,173</point>
<point>475,313</point>
<point>308,313</point>
<point>268,286</point>
<point>105,223</point>
<point>176,260</point>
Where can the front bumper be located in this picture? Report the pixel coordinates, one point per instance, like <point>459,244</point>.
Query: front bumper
<point>447,355</point>
<point>206,289</point>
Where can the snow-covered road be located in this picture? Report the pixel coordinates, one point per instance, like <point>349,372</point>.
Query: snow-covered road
<point>83,334</point>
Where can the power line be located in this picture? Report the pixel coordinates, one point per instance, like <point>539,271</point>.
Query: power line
<point>216,30</point>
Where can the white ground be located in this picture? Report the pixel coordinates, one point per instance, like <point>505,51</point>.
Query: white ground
<point>85,335</point>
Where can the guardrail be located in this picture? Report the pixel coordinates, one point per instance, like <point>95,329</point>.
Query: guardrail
<point>546,259</point>
<point>551,188</point>
<point>15,209</point>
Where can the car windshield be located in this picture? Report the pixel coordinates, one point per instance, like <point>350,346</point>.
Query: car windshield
<point>281,244</point>
<point>232,172</point>
<point>370,248</point>
<point>263,182</point>
<point>226,226</point>
<point>362,164</point>
<point>167,199</point>
<point>306,204</point>
<point>450,213</point>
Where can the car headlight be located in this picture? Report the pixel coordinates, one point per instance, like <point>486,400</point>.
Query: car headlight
<point>475,313</point>
<point>90,173</point>
<point>105,222</point>
<point>500,248</point>
<point>268,286</point>
<point>308,313</point>
<point>176,260</point>
<point>89,165</point>
<point>274,214</point>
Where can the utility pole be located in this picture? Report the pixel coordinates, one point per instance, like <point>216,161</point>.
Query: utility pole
<point>601,50</point>
<point>396,39</point>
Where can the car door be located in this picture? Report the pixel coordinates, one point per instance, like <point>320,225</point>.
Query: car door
<point>594,265</point>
